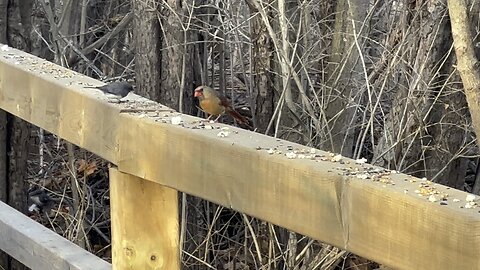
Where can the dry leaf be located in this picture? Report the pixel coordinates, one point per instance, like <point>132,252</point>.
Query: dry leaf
<point>87,168</point>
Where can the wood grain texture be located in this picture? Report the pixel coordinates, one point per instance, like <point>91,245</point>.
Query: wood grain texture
<point>144,224</point>
<point>40,248</point>
<point>52,98</point>
<point>388,223</point>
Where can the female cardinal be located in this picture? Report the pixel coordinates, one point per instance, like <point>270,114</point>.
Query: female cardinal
<point>214,103</point>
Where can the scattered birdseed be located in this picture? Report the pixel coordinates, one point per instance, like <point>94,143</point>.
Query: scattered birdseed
<point>362,176</point>
<point>456,200</point>
<point>208,127</point>
<point>337,158</point>
<point>270,151</point>
<point>223,134</point>
<point>470,198</point>
<point>291,155</point>
<point>361,161</point>
<point>432,198</point>
<point>176,120</point>
<point>470,205</point>
<point>312,150</point>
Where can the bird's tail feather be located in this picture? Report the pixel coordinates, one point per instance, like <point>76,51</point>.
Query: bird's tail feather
<point>240,118</point>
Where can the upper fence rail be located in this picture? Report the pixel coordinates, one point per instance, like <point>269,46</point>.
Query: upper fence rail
<point>392,218</point>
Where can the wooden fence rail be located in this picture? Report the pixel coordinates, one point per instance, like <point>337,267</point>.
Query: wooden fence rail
<point>40,248</point>
<point>391,218</point>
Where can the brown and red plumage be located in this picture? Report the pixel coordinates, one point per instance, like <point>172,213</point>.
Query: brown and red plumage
<point>214,103</point>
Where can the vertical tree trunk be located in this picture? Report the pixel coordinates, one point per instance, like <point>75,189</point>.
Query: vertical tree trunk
<point>3,114</point>
<point>426,123</point>
<point>148,41</point>
<point>3,21</point>
<point>177,57</point>
<point>467,60</point>
<point>346,76</point>
<point>3,168</point>
<point>14,132</point>
<point>262,53</point>
<point>446,162</point>
<point>18,142</point>
<point>3,128</point>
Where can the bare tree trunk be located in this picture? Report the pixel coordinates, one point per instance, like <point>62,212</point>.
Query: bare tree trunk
<point>423,134</point>
<point>262,88</point>
<point>148,41</point>
<point>467,66</point>
<point>177,71</point>
<point>17,148</point>
<point>3,21</point>
<point>3,130</point>
<point>449,117</point>
<point>14,132</point>
<point>3,172</point>
<point>346,76</point>
<point>19,137</point>
<point>3,114</point>
<point>467,61</point>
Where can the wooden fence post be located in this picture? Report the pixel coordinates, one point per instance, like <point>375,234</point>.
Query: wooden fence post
<point>144,218</point>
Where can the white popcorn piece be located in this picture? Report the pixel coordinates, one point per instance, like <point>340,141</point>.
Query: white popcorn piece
<point>470,198</point>
<point>337,158</point>
<point>361,161</point>
<point>469,205</point>
<point>291,155</point>
<point>223,134</point>
<point>176,120</point>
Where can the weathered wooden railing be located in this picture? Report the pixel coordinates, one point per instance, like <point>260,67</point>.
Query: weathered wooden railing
<point>388,217</point>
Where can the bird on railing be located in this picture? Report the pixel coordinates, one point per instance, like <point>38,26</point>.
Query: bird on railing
<point>117,89</point>
<point>214,103</point>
